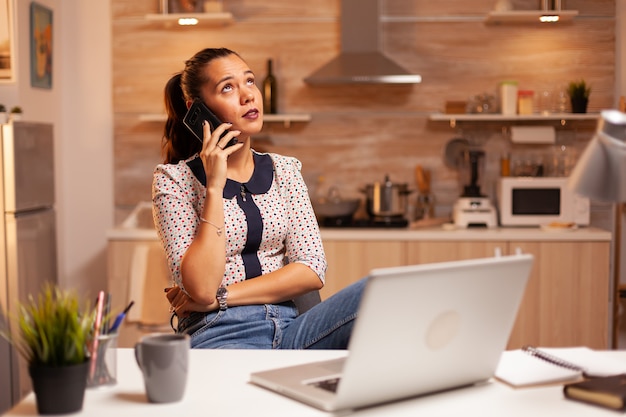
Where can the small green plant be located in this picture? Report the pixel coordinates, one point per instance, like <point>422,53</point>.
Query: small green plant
<point>578,89</point>
<point>53,329</point>
<point>16,109</point>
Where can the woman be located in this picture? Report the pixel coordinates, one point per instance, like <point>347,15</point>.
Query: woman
<point>237,226</point>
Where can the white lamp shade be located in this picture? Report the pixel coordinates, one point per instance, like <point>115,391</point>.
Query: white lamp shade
<point>600,173</point>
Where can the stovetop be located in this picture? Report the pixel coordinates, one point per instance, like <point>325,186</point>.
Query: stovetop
<point>341,222</point>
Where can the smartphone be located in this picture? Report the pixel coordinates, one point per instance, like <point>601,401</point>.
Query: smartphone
<point>197,114</point>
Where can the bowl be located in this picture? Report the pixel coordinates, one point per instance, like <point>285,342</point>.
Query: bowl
<point>340,208</point>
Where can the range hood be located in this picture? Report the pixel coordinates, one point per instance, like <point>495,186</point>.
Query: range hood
<point>360,60</point>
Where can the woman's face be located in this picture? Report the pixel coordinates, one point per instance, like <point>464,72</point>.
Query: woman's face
<point>233,95</point>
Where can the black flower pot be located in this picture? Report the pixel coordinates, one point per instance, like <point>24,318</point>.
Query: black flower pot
<point>579,104</point>
<point>59,390</point>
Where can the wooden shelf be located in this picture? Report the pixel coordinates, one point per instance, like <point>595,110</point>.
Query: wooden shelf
<point>561,118</point>
<point>529,16</point>
<point>152,117</point>
<point>286,119</point>
<point>200,18</point>
<point>497,117</point>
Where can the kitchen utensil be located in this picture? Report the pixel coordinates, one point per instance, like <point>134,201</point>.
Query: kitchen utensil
<point>454,151</point>
<point>422,178</point>
<point>425,205</point>
<point>474,159</point>
<point>386,199</point>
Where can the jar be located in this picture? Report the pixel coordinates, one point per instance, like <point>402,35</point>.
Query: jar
<point>525,102</point>
<point>505,165</point>
<point>508,97</point>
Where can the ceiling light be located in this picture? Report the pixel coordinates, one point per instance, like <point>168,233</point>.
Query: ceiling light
<point>187,21</point>
<point>549,18</point>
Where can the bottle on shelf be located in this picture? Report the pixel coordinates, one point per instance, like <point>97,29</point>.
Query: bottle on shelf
<point>270,97</point>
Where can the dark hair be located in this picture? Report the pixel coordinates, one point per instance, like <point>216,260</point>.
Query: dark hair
<point>178,142</point>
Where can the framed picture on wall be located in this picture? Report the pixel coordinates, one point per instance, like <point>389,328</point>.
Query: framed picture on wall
<point>6,41</point>
<point>40,46</point>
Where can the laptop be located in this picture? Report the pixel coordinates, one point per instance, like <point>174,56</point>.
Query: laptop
<point>420,329</point>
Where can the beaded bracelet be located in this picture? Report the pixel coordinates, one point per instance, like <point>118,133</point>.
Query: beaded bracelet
<point>219,229</point>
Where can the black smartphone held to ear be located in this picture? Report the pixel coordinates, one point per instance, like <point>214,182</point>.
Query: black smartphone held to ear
<point>197,114</point>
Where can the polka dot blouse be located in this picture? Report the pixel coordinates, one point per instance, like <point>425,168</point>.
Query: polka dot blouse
<point>268,221</point>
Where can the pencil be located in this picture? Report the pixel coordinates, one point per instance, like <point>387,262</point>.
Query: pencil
<point>96,333</point>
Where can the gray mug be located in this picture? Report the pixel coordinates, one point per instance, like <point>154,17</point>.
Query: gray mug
<point>164,360</point>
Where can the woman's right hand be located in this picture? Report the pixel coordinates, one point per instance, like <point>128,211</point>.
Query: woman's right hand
<point>182,305</point>
<point>213,154</point>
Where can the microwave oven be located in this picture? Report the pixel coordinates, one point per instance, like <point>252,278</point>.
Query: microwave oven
<point>537,201</point>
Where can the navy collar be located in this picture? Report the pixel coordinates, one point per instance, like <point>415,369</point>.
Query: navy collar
<point>259,183</point>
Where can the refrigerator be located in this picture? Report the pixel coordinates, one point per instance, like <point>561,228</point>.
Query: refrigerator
<point>28,254</point>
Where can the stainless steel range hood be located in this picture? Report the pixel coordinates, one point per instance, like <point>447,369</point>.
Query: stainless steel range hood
<point>360,60</point>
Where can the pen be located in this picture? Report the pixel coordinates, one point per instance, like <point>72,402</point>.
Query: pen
<point>120,318</point>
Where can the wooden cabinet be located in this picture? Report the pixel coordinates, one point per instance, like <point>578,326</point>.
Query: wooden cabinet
<point>567,300</point>
<point>350,260</point>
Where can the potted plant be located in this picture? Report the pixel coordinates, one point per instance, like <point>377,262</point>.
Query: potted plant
<point>3,114</point>
<point>578,92</point>
<point>53,334</point>
<point>16,113</point>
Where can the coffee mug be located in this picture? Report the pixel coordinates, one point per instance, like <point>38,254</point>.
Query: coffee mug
<point>163,360</point>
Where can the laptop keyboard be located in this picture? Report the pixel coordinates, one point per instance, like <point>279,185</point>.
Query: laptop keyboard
<point>327,384</point>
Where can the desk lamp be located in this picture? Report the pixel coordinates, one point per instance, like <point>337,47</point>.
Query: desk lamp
<point>601,170</point>
<point>601,174</point>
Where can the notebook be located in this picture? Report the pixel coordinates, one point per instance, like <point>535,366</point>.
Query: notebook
<point>420,329</point>
<point>531,366</point>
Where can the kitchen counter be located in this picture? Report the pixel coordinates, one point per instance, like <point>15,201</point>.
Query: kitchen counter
<point>138,227</point>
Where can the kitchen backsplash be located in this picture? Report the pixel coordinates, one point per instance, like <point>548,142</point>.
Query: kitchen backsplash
<point>360,133</point>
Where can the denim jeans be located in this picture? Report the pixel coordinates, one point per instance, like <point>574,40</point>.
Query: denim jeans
<point>327,325</point>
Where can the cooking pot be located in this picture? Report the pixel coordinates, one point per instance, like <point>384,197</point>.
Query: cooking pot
<point>386,199</point>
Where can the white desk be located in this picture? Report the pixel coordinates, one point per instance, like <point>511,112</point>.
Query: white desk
<point>218,386</point>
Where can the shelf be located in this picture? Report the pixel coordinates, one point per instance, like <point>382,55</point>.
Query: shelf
<point>152,117</point>
<point>529,16</point>
<point>199,18</point>
<point>496,117</point>
<point>286,119</point>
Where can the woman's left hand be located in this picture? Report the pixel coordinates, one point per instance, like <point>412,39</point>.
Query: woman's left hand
<point>182,305</point>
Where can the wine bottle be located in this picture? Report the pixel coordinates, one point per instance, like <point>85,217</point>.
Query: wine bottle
<point>269,91</point>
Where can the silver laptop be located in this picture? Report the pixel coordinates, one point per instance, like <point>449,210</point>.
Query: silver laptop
<point>420,329</point>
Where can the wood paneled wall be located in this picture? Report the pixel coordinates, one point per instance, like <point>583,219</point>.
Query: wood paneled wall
<point>360,133</point>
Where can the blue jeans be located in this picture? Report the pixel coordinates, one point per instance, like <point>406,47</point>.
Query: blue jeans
<point>328,325</point>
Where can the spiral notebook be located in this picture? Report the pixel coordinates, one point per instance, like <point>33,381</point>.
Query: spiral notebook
<point>531,366</point>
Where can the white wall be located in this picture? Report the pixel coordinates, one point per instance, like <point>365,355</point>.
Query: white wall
<point>80,107</point>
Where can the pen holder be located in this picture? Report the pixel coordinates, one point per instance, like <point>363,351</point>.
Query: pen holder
<point>103,361</point>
